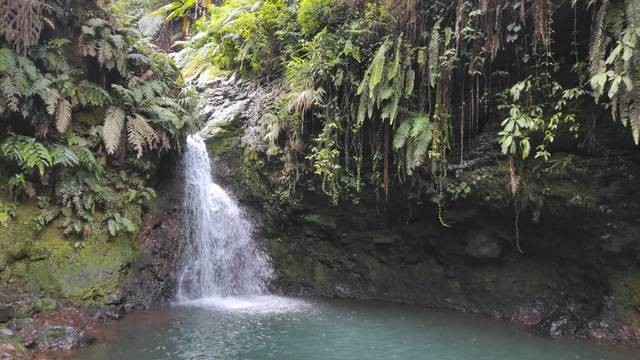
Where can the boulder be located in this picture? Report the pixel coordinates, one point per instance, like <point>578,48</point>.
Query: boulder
<point>61,338</point>
<point>6,313</point>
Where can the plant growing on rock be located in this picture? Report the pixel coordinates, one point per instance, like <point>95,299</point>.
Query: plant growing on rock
<point>80,104</point>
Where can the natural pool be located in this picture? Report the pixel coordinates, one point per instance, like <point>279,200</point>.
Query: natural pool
<point>270,327</point>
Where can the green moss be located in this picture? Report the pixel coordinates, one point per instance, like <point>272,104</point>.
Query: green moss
<point>373,267</point>
<point>321,220</point>
<point>225,137</point>
<point>626,294</point>
<point>297,270</point>
<point>320,277</point>
<point>46,304</point>
<point>60,266</point>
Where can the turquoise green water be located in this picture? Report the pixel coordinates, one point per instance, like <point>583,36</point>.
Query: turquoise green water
<point>289,329</point>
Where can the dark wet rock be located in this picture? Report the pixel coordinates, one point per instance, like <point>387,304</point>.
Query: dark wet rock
<point>151,278</point>
<point>116,298</point>
<point>6,313</point>
<point>111,313</point>
<point>60,338</point>
<point>482,245</point>
<point>61,330</point>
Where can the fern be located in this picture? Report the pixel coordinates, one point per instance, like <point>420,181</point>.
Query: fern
<point>402,135</point>
<point>140,134</point>
<point>414,135</point>
<point>410,83</point>
<point>63,116</point>
<point>28,153</point>
<point>597,66</point>
<point>10,92</point>
<point>90,94</point>
<point>64,155</point>
<point>112,129</point>
<point>377,67</point>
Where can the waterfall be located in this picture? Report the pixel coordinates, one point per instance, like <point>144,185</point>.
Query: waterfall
<point>219,257</point>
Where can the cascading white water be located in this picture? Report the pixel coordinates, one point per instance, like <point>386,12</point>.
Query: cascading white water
<point>220,257</point>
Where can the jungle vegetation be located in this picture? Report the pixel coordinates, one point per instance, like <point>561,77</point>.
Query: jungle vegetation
<point>379,93</point>
<point>385,92</point>
<point>88,106</point>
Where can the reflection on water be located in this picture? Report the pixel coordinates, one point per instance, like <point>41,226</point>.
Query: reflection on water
<point>270,327</point>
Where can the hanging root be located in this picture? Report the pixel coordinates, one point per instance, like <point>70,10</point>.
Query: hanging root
<point>516,224</point>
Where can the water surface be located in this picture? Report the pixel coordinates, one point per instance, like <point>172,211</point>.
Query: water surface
<point>269,327</point>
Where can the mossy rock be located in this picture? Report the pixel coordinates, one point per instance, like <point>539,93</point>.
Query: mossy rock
<point>6,313</point>
<point>63,267</point>
<point>320,220</point>
<point>626,295</point>
<point>46,304</point>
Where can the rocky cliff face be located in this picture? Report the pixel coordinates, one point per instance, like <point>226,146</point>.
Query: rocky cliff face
<point>579,272</point>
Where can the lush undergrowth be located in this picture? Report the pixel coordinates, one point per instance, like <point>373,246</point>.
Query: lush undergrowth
<point>385,92</point>
<point>88,107</point>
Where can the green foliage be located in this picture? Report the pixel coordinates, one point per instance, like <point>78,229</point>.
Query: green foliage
<point>614,57</point>
<point>30,154</point>
<point>239,34</point>
<point>313,15</point>
<point>414,135</point>
<point>7,212</point>
<point>117,223</point>
<point>176,9</point>
<point>76,96</point>
<point>371,86</point>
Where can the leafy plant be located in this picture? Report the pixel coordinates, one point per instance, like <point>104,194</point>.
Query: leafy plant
<point>7,213</point>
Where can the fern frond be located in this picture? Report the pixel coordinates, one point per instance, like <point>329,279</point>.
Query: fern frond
<point>377,66</point>
<point>10,93</point>
<point>409,83</point>
<point>7,60</point>
<point>112,129</point>
<point>597,64</point>
<point>90,94</point>
<point>52,99</point>
<point>140,134</point>
<point>64,155</point>
<point>395,65</point>
<point>420,125</point>
<point>63,116</point>
<point>401,135</point>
